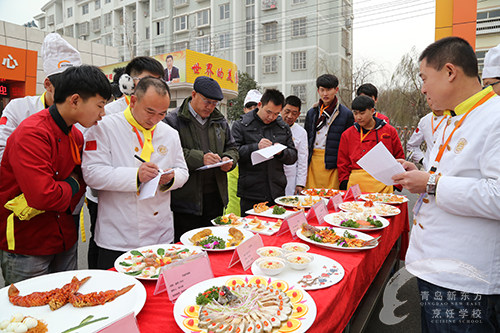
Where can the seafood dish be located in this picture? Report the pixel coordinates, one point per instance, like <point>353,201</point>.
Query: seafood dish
<point>229,219</point>
<point>322,192</point>
<point>357,221</point>
<point>371,207</point>
<point>299,201</point>
<point>146,262</point>
<point>387,198</point>
<point>270,212</point>
<point>260,207</point>
<point>244,304</point>
<point>215,238</point>
<point>254,225</point>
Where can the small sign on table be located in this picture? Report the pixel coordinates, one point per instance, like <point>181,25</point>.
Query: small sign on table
<point>125,324</point>
<point>293,223</point>
<point>319,210</point>
<point>247,252</point>
<point>335,201</point>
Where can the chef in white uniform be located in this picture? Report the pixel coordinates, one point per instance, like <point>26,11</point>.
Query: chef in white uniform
<point>458,222</point>
<point>123,221</point>
<point>57,55</point>
<point>296,174</point>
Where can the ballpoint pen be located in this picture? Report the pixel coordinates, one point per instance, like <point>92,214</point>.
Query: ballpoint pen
<point>142,160</point>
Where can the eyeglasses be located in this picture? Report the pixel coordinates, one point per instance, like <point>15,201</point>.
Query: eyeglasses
<point>209,103</point>
<point>488,85</point>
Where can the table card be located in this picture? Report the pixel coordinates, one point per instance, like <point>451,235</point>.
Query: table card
<point>334,202</point>
<point>125,324</point>
<point>320,210</point>
<point>353,193</point>
<point>293,223</point>
<point>179,276</point>
<point>247,252</point>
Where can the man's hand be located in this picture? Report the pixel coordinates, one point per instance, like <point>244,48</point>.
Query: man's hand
<point>408,166</point>
<point>414,181</point>
<point>166,178</point>
<point>210,158</point>
<point>147,171</point>
<point>264,143</point>
<point>228,166</point>
<point>298,189</point>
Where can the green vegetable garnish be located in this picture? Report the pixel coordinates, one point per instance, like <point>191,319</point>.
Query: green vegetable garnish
<point>133,273</point>
<point>136,253</point>
<point>207,296</point>
<point>185,250</point>
<point>212,239</point>
<point>350,224</point>
<point>126,264</point>
<point>278,210</point>
<point>85,322</point>
<point>374,222</point>
<point>161,252</point>
<point>218,220</point>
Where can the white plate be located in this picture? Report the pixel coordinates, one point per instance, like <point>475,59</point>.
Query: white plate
<point>69,316</point>
<point>166,247</point>
<point>305,192</point>
<point>269,213</point>
<point>336,218</point>
<point>222,232</point>
<point>340,232</point>
<point>188,299</point>
<point>301,198</point>
<point>328,272</point>
<point>377,209</point>
<point>239,221</point>
<point>270,227</point>
<point>384,198</point>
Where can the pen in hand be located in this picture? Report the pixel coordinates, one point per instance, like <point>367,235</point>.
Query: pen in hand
<point>142,160</point>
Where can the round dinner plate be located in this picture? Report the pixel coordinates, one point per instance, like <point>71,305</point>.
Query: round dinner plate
<point>335,219</point>
<point>302,201</point>
<point>377,209</point>
<point>222,232</point>
<point>388,198</point>
<point>68,316</point>
<point>323,272</point>
<point>166,247</point>
<point>317,191</point>
<point>186,303</point>
<point>339,231</point>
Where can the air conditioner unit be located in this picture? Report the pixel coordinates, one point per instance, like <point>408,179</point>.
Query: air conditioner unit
<point>200,32</point>
<point>145,14</point>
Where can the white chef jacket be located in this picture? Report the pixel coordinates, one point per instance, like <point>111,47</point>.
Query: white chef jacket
<point>296,174</point>
<point>117,106</point>
<point>462,221</point>
<point>424,133</point>
<point>321,135</point>
<point>124,222</point>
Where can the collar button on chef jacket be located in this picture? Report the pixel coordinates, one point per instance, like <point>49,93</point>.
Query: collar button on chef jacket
<point>57,172</point>
<point>156,213</point>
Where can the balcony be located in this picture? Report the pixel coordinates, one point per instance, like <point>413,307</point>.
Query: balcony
<point>490,26</point>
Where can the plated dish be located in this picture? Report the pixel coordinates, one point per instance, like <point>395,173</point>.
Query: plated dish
<point>322,192</point>
<point>254,225</point>
<point>388,198</point>
<point>297,314</point>
<point>69,316</point>
<point>323,272</point>
<point>337,239</point>
<point>299,201</point>
<point>364,221</point>
<point>270,213</point>
<point>215,238</point>
<point>371,207</point>
<point>146,262</point>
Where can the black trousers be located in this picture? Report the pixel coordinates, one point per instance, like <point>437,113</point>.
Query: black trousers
<point>93,252</point>
<point>212,207</point>
<point>106,258</point>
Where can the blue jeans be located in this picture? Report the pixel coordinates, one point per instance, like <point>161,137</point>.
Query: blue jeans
<point>18,267</point>
<point>447,310</point>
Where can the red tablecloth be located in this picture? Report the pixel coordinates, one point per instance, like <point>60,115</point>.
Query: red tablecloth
<point>335,304</point>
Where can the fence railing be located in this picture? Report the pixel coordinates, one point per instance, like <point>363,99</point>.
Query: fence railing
<point>404,135</point>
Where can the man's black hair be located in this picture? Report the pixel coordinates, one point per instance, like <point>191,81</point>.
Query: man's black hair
<point>362,103</point>
<point>367,89</point>
<point>140,64</point>
<point>54,79</point>
<point>293,101</point>
<point>453,50</point>
<point>159,85</point>
<point>273,95</point>
<point>86,81</point>
<point>170,56</point>
<point>115,87</point>
<point>250,105</point>
<point>327,81</point>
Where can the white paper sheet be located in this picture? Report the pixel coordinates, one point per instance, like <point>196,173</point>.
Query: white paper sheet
<point>205,167</point>
<point>265,154</point>
<point>380,164</point>
<point>148,190</point>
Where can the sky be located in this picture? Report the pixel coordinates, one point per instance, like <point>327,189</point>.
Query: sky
<point>383,30</point>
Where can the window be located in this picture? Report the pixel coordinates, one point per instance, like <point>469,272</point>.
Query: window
<point>97,41</point>
<point>224,11</point>
<point>224,40</point>
<point>83,28</point>
<point>270,31</point>
<point>50,19</point>
<point>160,49</point>
<point>299,27</point>
<point>160,28</point>
<point>202,18</point>
<point>180,2</point>
<point>107,19</point>
<point>203,45</point>
<point>346,40</point>
<point>180,23</point>
<point>159,5</point>
<point>296,2</point>
<point>97,4</point>
<point>269,4</point>
<point>270,64</point>
<point>85,9</point>
<point>41,22</point>
<point>299,90</point>
<point>181,46</point>
<point>346,9</point>
<point>68,31</point>
<point>147,32</point>
<point>96,24</point>
<point>108,40</point>
<point>299,61</point>
<point>70,12</point>
<point>107,1</point>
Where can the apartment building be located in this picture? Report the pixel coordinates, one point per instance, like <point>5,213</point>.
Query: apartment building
<point>284,44</point>
<point>487,28</point>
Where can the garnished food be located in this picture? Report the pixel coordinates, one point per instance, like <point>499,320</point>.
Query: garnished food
<point>212,242</point>
<point>368,203</point>
<point>322,192</point>
<point>374,209</point>
<point>260,207</point>
<point>368,223</point>
<point>278,210</point>
<point>207,296</point>
<point>85,322</point>
<point>19,323</point>
<point>97,298</point>
<point>237,237</point>
<point>199,236</point>
<point>270,264</point>
<point>270,251</point>
<point>385,198</point>
<point>290,200</point>
<point>328,235</point>
<point>295,247</point>
<point>230,219</point>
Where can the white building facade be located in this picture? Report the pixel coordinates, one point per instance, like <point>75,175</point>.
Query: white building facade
<point>487,28</point>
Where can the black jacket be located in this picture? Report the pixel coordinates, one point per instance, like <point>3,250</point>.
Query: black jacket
<point>344,120</point>
<point>255,181</point>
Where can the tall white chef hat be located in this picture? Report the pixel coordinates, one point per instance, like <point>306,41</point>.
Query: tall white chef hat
<point>58,54</point>
<point>491,67</point>
<point>253,96</point>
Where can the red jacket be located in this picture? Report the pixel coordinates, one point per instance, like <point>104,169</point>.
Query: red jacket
<point>381,116</point>
<point>350,149</point>
<point>36,161</point>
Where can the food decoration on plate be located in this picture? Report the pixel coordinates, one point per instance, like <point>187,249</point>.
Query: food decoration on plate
<point>328,235</point>
<point>261,207</point>
<point>256,305</point>
<point>278,210</point>
<point>322,192</point>
<point>21,323</point>
<point>388,198</point>
<point>148,263</point>
<point>371,207</point>
<point>230,219</point>
<point>207,240</point>
<point>365,220</point>
<point>369,222</point>
<point>300,201</point>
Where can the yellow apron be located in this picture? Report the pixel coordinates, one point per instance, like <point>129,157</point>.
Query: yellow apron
<point>233,206</point>
<point>367,183</point>
<point>318,176</point>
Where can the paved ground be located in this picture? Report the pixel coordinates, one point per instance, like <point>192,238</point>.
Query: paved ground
<point>408,292</point>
